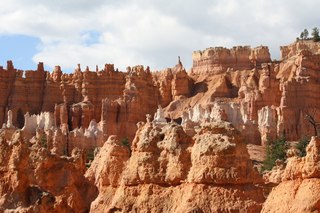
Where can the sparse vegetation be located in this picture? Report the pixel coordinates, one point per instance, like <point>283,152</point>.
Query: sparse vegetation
<point>305,34</point>
<point>43,141</point>
<point>125,142</point>
<point>302,145</point>
<point>310,117</point>
<point>275,150</point>
<point>90,157</point>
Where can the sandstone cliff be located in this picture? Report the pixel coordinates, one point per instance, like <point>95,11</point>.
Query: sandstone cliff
<point>269,99</point>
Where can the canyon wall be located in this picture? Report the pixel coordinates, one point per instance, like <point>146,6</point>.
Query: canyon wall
<point>241,76</point>
<point>164,141</point>
<point>117,99</point>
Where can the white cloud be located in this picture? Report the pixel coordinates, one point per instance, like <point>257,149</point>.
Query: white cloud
<point>151,32</point>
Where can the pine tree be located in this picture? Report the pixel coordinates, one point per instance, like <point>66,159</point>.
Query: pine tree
<point>315,34</point>
<point>301,35</point>
<point>305,34</point>
<point>302,145</point>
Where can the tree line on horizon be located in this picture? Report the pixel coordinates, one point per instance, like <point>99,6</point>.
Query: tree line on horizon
<point>314,35</point>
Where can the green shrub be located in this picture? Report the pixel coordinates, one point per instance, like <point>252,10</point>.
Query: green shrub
<point>275,150</point>
<point>43,141</point>
<point>125,142</point>
<point>90,158</point>
<point>90,155</point>
<point>302,145</point>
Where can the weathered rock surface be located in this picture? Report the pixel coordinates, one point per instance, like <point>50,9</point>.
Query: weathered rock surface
<point>169,171</point>
<point>78,98</point>
<point>298,187</point>
<point>34,180</point>
<point>295,48</point>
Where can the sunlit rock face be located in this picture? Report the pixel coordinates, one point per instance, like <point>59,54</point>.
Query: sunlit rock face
<point>35,180</point>
<point>219,59</point>
<point>165,170</point>
<point>298,183</point>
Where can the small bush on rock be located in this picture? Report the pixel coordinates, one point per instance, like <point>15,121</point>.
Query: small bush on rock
<point>302,145</point>
<point>275,150</point>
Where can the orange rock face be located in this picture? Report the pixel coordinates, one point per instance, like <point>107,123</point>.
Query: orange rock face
<point>299,183</point>
<point>34,180</point>
<point>263,95</point>
<point>78,98</point>
<point>246,76</point>
<point>168,171</point>
<point>295,48</point>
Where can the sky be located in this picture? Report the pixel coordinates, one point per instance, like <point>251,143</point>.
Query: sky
<point>143,32</point>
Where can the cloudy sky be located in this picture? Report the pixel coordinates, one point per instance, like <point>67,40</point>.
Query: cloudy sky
<point>154,33</point>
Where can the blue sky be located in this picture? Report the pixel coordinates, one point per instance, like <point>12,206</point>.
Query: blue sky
<point>91,37</point>
<point>20,49</point>
<point>150,33</point>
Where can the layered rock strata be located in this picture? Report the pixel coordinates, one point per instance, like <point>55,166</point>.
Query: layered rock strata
<point>218,59</point>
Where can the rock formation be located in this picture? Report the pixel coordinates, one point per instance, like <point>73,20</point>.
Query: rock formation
<point>296,47</point>
<point>244,75</point>
<point>34,180</point>
<point>166,170</point>
<point>217,60</point>
<point>298,187</point>
<point>161,141</point>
